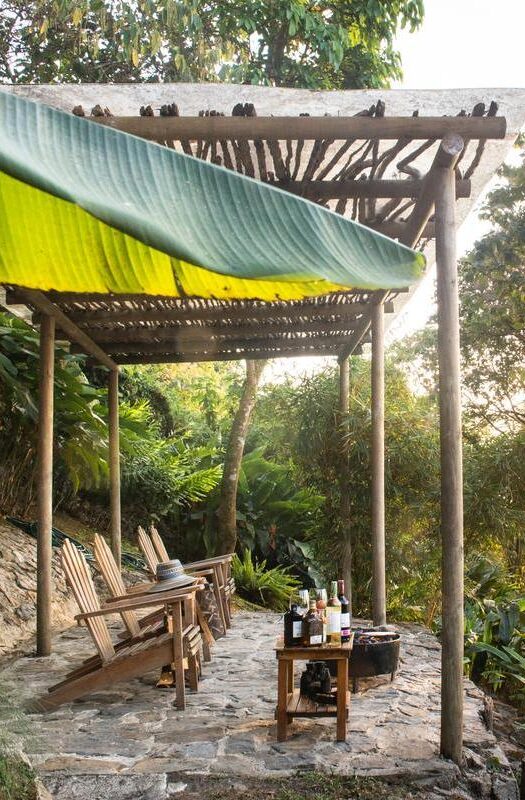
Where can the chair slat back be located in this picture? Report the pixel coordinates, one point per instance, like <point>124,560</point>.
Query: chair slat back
<point>158,544</point>
<point>148,551</point>
<point>113,580</point>
<point>79,578</point>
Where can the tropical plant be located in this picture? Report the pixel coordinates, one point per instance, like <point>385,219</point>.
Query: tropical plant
<point>300,420</point>
<point>159,473</point>
<point>267,587</point>
<point>286,43</point>
<point>495,629</point>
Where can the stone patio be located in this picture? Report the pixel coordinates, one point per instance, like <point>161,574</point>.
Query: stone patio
<point>129,742</point>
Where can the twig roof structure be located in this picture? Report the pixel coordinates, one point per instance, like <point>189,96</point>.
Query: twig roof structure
<point>366,165</point>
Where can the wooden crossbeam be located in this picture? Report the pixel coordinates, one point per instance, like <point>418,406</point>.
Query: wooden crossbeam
<point>197,346</point>
<point>188,333</point>
<point>206,315</point>
<point>342,190</point>
<point>180,358</point>
<point>169,129</point>
<point>74,334</point>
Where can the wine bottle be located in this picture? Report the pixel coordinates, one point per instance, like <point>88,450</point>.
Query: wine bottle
<point>304,601</point>
<point>321,602</point>
<point>312,627</point>
<point>333,612</point>
<point>345,612</point>
<point>293,627</point>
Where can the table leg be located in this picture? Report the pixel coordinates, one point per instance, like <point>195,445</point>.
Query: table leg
<point>282,698</point>
<point>290,676</point>
<point>342,689</point>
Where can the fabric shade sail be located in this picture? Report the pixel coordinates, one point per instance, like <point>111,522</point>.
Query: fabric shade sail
<point>85,208</point>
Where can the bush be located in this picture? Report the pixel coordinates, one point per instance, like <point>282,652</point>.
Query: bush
<point>268,587</point>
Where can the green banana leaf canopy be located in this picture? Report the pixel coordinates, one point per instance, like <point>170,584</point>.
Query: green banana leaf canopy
<point>84,208</point>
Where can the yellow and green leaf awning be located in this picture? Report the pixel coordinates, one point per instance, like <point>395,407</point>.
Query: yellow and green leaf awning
<point>85,208</point>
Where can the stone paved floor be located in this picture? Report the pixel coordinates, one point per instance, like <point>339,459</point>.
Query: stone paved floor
<point>131,735</point>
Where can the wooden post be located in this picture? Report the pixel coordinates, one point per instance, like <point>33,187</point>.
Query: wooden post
<point>114,465</point>
<point>378,467</point>
<point>44,549</point>
<point>346,533</point>
<point>451,470</point>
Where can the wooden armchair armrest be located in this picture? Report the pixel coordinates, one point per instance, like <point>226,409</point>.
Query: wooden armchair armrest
<point>209,562</point>
<point>129,604</point>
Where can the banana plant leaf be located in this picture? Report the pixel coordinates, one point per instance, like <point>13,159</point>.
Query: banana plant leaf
<point>85,208</point>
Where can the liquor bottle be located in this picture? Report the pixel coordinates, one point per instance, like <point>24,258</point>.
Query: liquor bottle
<point>345,612</point>
<point>333,612</point>
<point>293,627</point>
<point>312,627</point>
<point>321,602</point>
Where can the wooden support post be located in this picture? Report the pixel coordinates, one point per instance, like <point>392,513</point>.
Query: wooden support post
<point>378,467</point>
<point>451,469</point>
<point>45,487</point>
<point>346,532</point>
<point>114,466</point>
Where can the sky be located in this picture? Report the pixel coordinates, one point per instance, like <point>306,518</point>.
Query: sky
<point>461,44</point>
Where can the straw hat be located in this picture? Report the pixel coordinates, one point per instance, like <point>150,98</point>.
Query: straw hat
<point>171,575</point>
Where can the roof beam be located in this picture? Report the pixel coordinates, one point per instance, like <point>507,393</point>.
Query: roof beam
<point>199,346</point>
<point>341,190</point>
<point>162,129</point>
<point>179,358</point>
<point>74,334</point>
<point>223,313</point>
<point>184,333</point>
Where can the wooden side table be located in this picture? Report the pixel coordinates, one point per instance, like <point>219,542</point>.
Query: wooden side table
<point>290,704</point>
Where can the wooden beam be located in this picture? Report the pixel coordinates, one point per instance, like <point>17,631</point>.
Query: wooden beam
<point>447,155</point>
<point>198,346</point>
<point>378,467</point>
<point>222,313</point>
<point>193,335</point>
<point>451,470</point>
<point>74,334</point>
<point>44,550</point>
<point>114,466</point>
<point>180,358</point>
<point>168,129</point>
<point>345,506</point>
<point>341,190</point>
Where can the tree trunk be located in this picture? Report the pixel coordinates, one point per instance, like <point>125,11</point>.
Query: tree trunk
<point>226,512</point>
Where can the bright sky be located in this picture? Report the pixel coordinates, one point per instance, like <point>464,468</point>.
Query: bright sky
<point>461,44</point>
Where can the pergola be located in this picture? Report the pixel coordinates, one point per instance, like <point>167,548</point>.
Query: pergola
<point>399,175</point>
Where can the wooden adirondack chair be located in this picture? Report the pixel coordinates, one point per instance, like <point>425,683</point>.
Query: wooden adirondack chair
<point>154,622</point>
<point>130,659</point>
<point>217,568</point>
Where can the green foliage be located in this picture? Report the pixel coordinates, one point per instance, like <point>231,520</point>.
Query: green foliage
<point>301,422</point>
<point>495,629</point>
<point>284,43</point>
<point>268,587</point>
<point>159,473</point>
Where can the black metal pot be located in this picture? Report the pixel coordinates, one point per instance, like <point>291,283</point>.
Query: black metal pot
<point>374,658</point>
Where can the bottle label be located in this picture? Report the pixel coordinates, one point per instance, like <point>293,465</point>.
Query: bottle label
<point>334,622</point>
<point>318,639</point>
<point>345,623</point>
<point>297,629</point>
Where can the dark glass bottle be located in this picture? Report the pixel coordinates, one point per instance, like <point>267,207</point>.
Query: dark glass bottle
<point>313,627</point>
<point>345,612</point>
<point>293,627</point>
